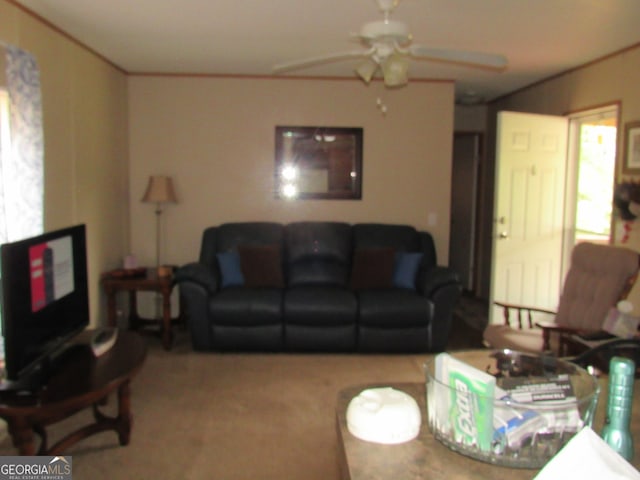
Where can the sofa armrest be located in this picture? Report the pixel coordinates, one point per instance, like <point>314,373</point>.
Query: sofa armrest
<point>429,281</point>
<point>442,286</point>
<point>199,274</point>
<point>197,283</point>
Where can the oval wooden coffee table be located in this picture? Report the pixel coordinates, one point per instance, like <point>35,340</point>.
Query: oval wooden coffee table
<point>80,381</point>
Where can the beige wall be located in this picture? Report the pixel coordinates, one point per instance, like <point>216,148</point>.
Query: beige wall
<point>215,137</point>
<point>86,145</point>
<point>614,79</point>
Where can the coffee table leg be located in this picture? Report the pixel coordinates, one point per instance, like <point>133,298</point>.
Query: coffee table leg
<point>125,418</point>
<point>121,424</point>
<point>22,436</point>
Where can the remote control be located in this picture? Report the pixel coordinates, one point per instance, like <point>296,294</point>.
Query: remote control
<point>103,340</point>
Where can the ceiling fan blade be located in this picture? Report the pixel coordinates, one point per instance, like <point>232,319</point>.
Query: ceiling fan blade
<point>473,59</point>
<point>307,62</point>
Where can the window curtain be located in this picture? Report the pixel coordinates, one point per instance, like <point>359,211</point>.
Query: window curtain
<point>21,162</point>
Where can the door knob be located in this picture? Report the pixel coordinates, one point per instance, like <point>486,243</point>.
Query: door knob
<point>503,235</point>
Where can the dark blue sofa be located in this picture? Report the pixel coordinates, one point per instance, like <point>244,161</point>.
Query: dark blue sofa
<point>318,286</point>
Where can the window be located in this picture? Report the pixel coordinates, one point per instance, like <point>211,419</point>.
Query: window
<point>595,162</point>
<point>595,181</point>
<point>21,163</point>
<point>21,147</point>
<point>5,149</point>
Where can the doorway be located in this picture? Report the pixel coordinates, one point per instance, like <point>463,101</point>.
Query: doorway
<point>585,161</point>
<point>467,147</point>
<point>591,173</point>
<point>528,220</point>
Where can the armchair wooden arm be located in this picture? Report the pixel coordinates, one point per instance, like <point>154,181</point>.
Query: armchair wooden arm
<point>507,307</point>
<point>548,328</point>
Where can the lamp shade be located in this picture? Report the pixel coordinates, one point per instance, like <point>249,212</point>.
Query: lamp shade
<point>366,70</point>
<point>160,190</point>
<point>395,71</point>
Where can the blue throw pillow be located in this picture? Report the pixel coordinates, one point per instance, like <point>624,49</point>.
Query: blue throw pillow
<point>230,270</point>
<point>405,269</point>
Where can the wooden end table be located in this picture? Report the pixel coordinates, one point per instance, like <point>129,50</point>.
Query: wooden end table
<point>141,280</point>
<point>80,380</point>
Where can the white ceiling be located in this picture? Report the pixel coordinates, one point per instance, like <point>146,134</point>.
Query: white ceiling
<point>247,37</point>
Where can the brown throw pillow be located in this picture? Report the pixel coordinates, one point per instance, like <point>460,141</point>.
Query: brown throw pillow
<point>261,265</point>
<point>372,268</point>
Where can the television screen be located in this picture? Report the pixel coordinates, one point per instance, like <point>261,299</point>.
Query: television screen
<point>45,297</point>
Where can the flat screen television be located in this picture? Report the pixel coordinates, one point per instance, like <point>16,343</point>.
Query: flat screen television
<point>45,299</point>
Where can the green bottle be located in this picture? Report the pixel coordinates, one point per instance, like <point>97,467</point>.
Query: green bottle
<point>616,431</point>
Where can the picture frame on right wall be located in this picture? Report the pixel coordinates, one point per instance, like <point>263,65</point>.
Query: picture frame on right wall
<point>631,150</point>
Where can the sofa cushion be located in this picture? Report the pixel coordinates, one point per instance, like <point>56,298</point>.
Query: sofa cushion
<point>261,265</point>
<point>242,307</point>
<point>372,268</point>
<point>393,308</point>
<point>230,271</point>
<point>318,253</point>
<point>319,305</point>
<point>405,269</point>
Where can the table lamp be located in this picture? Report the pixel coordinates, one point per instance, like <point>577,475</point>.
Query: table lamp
<point>159,191</point>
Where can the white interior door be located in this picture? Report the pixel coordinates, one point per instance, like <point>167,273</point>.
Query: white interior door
<point>528,214</point>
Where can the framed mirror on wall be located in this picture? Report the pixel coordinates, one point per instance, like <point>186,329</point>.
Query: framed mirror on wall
<point>318,163</point>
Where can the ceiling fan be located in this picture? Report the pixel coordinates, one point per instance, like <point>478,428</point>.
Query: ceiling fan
<point>388,47</point>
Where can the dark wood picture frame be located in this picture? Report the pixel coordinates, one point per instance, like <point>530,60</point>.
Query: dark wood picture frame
<point>318,163</point>
<point>631,150</point>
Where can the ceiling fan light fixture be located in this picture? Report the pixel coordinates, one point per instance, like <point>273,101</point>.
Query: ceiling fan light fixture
<point>395,71</point>
<point>366,70</point>
<point>389,46</point>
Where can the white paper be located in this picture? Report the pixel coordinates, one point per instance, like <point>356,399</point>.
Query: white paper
<point>587,457</point>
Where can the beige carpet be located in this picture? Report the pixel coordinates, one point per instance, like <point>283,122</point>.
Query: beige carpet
<point>232,416</point>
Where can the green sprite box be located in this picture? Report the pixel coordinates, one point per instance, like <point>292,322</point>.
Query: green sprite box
<point>470,402</point>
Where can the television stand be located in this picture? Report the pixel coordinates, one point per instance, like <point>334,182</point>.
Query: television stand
<point>23,386</point>
<point>79,381</point>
